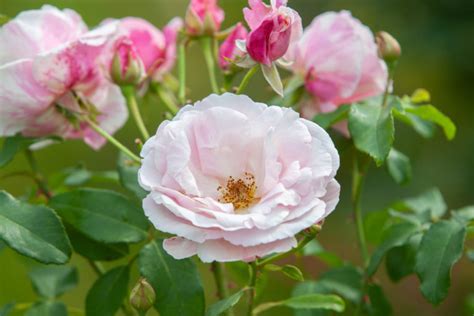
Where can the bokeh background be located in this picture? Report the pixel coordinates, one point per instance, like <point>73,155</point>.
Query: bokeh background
<point>437,37</point>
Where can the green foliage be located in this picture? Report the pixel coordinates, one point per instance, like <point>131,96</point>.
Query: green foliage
<point>314,248</point>
<point>441,247</point>
<point>90,210</point>
<point>399,166</point>
<point>15,144</point>
<point>431,201</point>
<point>326,120</point>
<point>220,307</point>
<point>309,301</point>
<point>6,309</point>
<point>128,175</point>
<point>108,292</point>
<point>289,270</point>
<point>51,282</point>
<point>378,303</point>
<point>50,308</point>
<point>400,261</point>
<point>345,281</point>
<point>372,129</point>
<point>176,282</point>
<point>33,230</point>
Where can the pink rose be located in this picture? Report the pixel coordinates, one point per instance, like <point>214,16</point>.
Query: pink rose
<point>236,180</point>
<point>47,56</point>
<point>203,17</point>
<point>155,49</point>
<point>337,56</point>
<point>273,29</point>
<point>229,50</point>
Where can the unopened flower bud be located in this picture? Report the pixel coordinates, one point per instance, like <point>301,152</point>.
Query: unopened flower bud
<point>389,48</point>
<point>127,68</point>
<point>142,296</point>
<point>203,17</point>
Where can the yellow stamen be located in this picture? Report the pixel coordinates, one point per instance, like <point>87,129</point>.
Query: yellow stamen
<point>239,192</point>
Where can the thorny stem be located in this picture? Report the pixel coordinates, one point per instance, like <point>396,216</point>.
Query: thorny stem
<point>252,286</point>
<point>132,103</point>
<point>38,177</point>
<point>206,43</point>
<point>245,81</point>
<point>218,270</point>
<point>112,140</point>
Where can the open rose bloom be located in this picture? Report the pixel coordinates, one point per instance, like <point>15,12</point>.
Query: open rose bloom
<point>48,61</point>
<point>237,180</point>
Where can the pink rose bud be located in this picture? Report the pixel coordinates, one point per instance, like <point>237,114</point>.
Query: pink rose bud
<point>203,17</point>
<point>229,50</point>
<point>126,68</point>
<point>389,48</point>
<point>273,28</point>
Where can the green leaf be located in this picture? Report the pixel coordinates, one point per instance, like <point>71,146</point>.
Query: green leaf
<point>345,281</point>
<point>423,128</point>
<point>32,230</point>
<point>47,308</point>
<point>470,254</point>
<point>432,114</point>
<point>102,215</point>
<point>220,307</point>
<point>128,175</point>
<point>108,292</point>
<point>375,224</point>
<point>2,245</point>
<point>6,309</point>
<point>309,287</point>
<point>441,247</point>
<point>400,261</point>
<point>309,301</point>
<point>314,248</point>
<point>399,166</point>
<point>15,144</point>
<point>50,282</point>
<point>465,214</point>
<point>372,130</point>
<point>94,250</point>
<point>176,282</point>
<point>294,90</point>
<point>379,305</point>
<point>292,272</point>
<point>397,235</point>
<point>326,120</point>
<point>431,201</point>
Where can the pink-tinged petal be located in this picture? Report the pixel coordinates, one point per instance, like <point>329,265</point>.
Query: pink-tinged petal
<point>228,49</point>
<point>256,13</point>
<point>22,99</point>
<point>170,32</point>
<point>200,14</point>
<point>180,248</point>
<point>38,31</point>
<point>258,42</point>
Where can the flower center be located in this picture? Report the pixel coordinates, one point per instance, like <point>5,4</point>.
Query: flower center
<point>240,192</point>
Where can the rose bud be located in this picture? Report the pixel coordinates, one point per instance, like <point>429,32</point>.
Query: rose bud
<point>273,28</point>
<point>203,17</point>
<point>142,296</point>
<point>229,50</point>
<point>126,68</point>
<point>389,48</point>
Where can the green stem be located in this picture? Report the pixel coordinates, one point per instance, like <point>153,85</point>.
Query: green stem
<point>252,287</point>
<point>358,173</point>
<point>182,72</point>
<point>246,79</point>
<point>38,177</point>
<point>132,104</point>
<point>166,99</point>
<point>303,242</point>
<point>218,270</point>
<point>112,140</point>
<point>390,69</point>
<point>206,43</point>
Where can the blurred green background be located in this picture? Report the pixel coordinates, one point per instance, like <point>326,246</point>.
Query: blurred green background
<point>437,37</point>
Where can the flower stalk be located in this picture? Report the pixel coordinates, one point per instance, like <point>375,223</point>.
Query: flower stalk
<point>252,287</point>
<point>206,44</point>
<point>182,72</point>
<point>218,270</point>
<point>246,79</point>
<point>37,176</point>
<point>132,103</point>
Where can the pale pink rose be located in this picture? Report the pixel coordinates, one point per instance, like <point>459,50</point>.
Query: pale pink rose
<point>45,56</point>
<point>229,50</point>
<point>273,29</point>
<point>337,56</point>
<point>237,180</point>
<point>203,17</point>
<point>156,49</point>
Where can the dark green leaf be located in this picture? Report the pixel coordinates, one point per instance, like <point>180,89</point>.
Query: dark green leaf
<point>400,261</point>
<point>47,309</point>
<point>326,120</point>
<point>32,230</point>
<point>102,215</point>
<point>292,272</point>
<point>176,282</point>
<point>399,166</point>
<point>441,247</point>
<point>375,224</point>
<point>309,287</point>
<point>314,248</point>
<point>220,307</point>
<point>345,281</point>
<point>108,292</point>
<point>379,305</point>
<point>397,235</point>
<point>309,301</point>
<point>432,114</point>
<point>372,130</point>
<point>431,201</point>
<point>15,144</point>
<point>128,174</point>
<point>6,309</point>
<point>51,282</point>
<point>94,250</point>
